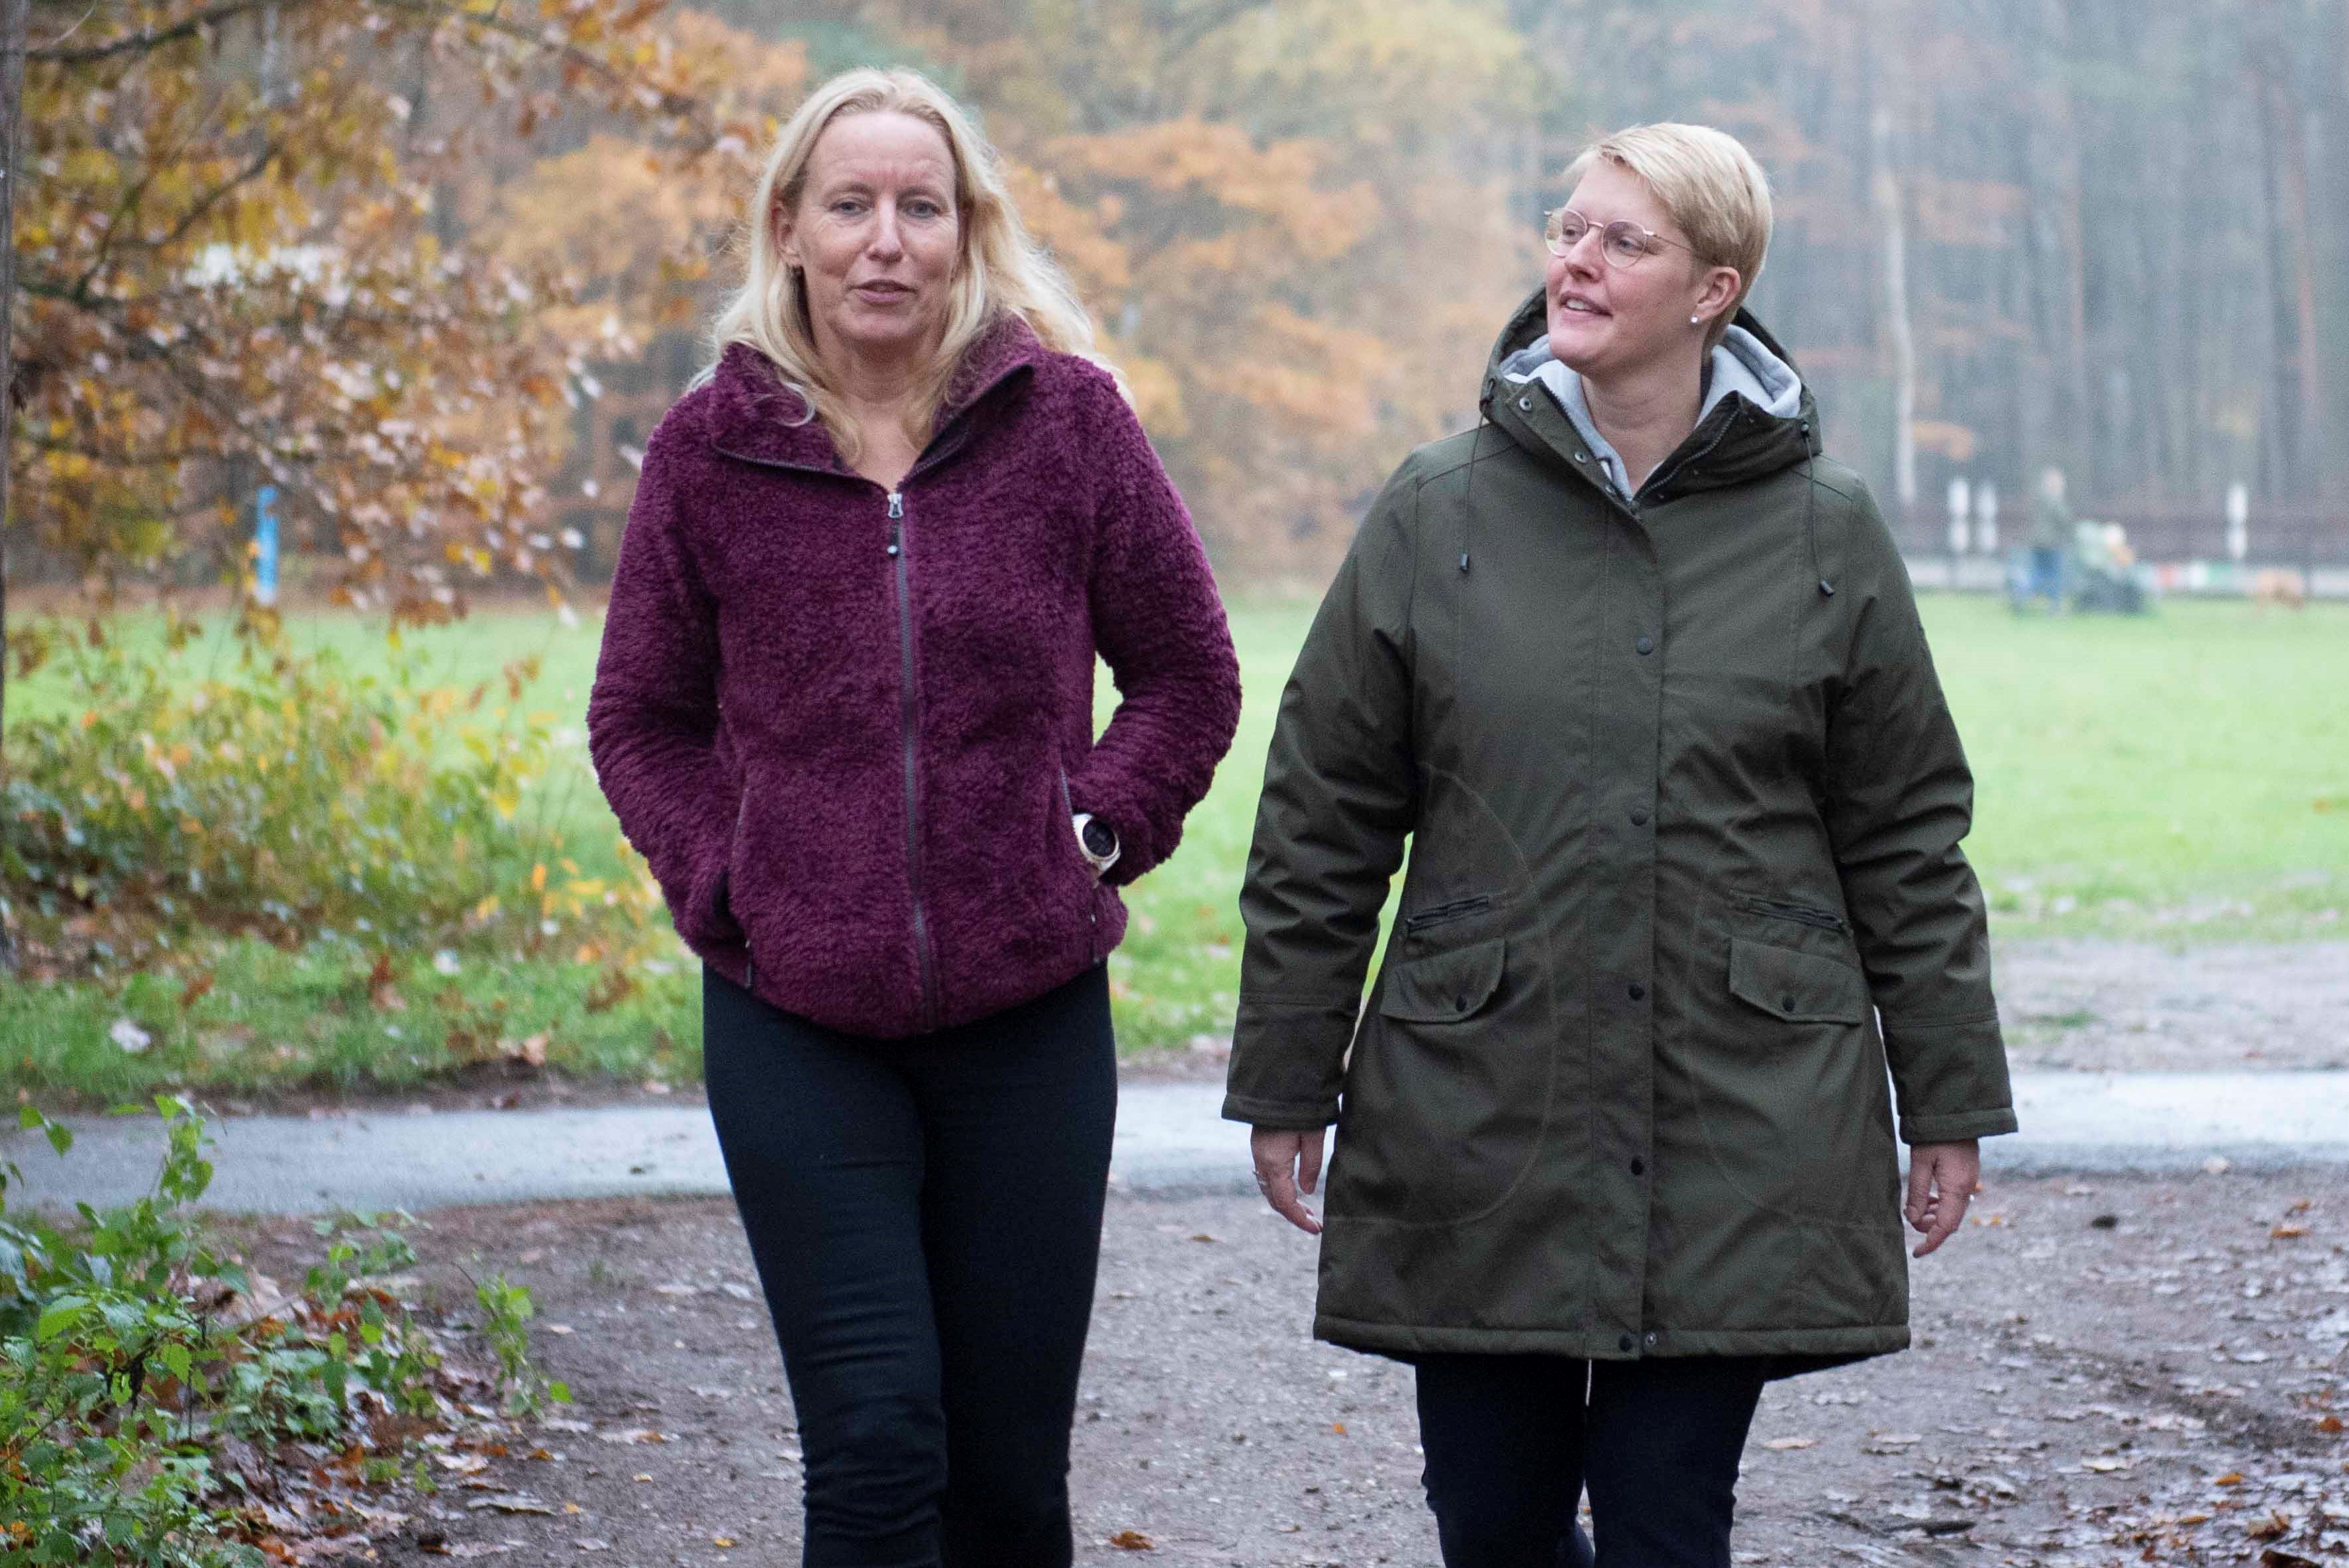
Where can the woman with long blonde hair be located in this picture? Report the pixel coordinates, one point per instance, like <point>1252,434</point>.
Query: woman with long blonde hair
<point>844,709</point>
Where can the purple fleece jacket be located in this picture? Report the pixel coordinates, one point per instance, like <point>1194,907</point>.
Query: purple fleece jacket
<point>847,729</point>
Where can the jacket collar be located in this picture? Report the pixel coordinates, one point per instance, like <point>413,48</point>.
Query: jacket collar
<point>1735,440</point>
<point>757,416</point>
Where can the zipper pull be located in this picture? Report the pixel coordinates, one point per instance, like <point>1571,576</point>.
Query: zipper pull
<point>896,503</point>
<point>897,528</point>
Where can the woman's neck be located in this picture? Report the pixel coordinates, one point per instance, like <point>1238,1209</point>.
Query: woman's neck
<point>879,392</point>
<point>1646,412</point>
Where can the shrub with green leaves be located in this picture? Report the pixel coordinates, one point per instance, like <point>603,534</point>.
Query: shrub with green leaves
<point>285,793</point>
<point>145,1382</point>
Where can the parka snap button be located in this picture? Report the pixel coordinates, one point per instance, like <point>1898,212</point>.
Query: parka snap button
<point>1581,458</point>
<point>1639,1166</point>
<point>1639,816</point>
<point>1524,403</point>
<point>1645,645</point>
<point>1787,1004</point>
<point>1624,1344</point>
<point>1652,1339</point>
<point>1638,990</point>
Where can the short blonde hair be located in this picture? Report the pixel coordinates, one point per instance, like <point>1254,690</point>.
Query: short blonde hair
<point>1001,270</point>
<point>1716,195</point>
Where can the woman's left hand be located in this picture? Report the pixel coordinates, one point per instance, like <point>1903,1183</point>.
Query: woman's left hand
<point>1942,1178</point>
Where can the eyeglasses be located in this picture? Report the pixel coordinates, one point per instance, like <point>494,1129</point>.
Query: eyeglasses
<point>1623,243</point>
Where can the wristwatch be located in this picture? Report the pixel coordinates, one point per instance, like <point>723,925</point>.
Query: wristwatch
<point>1098,840</point>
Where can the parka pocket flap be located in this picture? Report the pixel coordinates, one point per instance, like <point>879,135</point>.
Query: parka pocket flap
<point>1800,987</point>
<point>1446,986</point>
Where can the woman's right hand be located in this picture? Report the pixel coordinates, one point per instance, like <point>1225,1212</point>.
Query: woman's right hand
<point>1288,1163</point>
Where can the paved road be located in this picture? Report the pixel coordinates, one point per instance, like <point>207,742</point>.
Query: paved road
<point>1169,1139</point>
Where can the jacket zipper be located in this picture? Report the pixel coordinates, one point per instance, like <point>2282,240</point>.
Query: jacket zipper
<point>1092,915</point>
<point>1458,909</point>
<point>1800,914</point>
<point>909,714</point>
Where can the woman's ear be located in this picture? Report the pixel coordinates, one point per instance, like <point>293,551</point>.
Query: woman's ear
<point>1719,293</point>
<point>786,243</point>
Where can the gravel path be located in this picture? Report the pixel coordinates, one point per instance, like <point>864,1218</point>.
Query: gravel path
<point>2134,1007</point>
<point>2113,1370</point>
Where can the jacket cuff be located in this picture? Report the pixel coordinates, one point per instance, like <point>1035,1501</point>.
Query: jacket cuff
<point>1274,1117</point>
<point>1956,1126</point>
<point>1288,1061</point>
<point>1950,1075</point>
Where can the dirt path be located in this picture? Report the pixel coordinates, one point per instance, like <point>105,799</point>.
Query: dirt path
<point>2134,1007</point>
<point>2103,1367</point>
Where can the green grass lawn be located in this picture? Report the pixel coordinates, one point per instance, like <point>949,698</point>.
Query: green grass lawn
<point>2183,776</point>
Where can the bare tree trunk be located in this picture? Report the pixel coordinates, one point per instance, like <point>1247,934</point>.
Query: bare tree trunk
<point>1884,188</point>
<point>2296,387</point>
<point>14,17</point>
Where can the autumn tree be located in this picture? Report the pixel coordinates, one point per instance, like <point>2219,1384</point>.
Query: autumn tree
<point>237,268</point>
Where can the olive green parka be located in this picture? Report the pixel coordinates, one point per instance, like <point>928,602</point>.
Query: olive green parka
<point>1683,804</point>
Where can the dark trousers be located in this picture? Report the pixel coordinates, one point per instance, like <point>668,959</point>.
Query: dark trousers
<point>925,1215</point>
<point>1512,1440</point>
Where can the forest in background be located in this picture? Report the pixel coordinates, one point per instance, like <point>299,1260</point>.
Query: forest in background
<point>430,268</point>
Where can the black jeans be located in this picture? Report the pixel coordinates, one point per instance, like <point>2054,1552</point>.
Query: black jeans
<point>1511,1441</point>
<point>925,1214</point>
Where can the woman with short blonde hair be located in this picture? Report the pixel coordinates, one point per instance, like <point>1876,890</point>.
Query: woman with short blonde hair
<point>1637,674</point>
<point>844,709</point>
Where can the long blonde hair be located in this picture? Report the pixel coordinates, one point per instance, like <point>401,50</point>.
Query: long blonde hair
<point>1001,270</point>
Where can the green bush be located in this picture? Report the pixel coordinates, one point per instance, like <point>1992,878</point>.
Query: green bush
<point>144,1380</point>
<point>289,795</point>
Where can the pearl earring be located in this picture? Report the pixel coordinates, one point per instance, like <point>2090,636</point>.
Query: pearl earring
<point>1692,321</point>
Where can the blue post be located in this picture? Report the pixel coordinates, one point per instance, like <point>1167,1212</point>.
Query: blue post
<point>264,543</point>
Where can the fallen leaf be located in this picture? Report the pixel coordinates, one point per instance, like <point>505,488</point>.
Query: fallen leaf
<point>1132,1540</point>
<point>2286,1233</point>
<point>461,1464</point>
<point>2104,1466</point>
<point>2330,1424</point>
<point>2276,1557</point>
<point>640,1476</point>
<point>1784,1444</point>
<point>2268,1529</point>
<point>2233,1478</point>
<point>721,1541</point>
<point>195,989</point>
<point>633,1435</point>
<point>511,1503</point>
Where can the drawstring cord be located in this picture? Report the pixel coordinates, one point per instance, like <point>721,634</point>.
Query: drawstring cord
<point>1810,514</point>
<point>1468,508</point>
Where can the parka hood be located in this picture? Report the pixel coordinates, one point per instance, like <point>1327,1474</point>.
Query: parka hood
<point>1756,417</point>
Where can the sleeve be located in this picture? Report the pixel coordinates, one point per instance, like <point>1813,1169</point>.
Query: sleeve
<point>652,716</point>
<point>1159,624</point>
<point>1340,794</point>
<point>1898,803</point>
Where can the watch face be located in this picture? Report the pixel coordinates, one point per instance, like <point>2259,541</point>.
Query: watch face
<point>1099,837</point>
